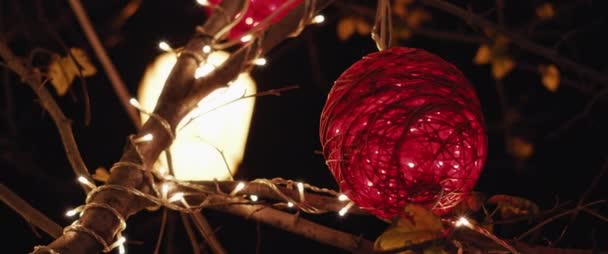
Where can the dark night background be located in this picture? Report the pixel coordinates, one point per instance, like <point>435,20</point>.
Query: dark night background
<point>284,132</point>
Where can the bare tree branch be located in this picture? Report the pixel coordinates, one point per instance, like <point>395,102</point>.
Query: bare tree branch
<point>29,213</point>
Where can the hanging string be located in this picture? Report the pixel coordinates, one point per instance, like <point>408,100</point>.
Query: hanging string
<point>383,25</point>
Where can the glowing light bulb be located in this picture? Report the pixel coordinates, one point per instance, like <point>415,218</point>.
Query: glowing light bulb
<point>301,190</point>
<point>318,19</point>
<point>260,61</point>
<point>289,204</point>
<point>345,209</point>
<point>72,212</point>
<point>203,2</point>
<point>86,182</point>
<point>206,49</point>
<point>164,46</point>
<point>342,197</point>
<point>177,196</point>
<point>144,138</point>
<point>463,221</point>
<point>240,186</point>
<point>246,38</point>
<point>134,102</point>
<point>254,198</point>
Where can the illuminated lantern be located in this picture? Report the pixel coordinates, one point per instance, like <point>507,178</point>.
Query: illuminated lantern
<point>257,11</point>
<point>217,129</point>
<point>403,126</point>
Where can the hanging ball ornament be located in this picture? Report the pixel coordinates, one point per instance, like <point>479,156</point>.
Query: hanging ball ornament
<point>258,11</point>
<point>403,126</point>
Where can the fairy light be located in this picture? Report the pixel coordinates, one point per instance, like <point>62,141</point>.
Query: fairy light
<point>206,49</point>
<point>203,70</point>
<point>260,61</point>
<point>342,197</point>
<point>144,138</point>
<point>289,204</point>
<point>254,198</point>
<point>301,190</point>
<point>164,46</point>
<point>121,244</point>
<point>246,38</point>
<point>86,182</point>
<point>318,19</point>
<point>134,102</point>
<point>72,212</point>
<point>177,196</point>
<point>345,209</point>
<point>239,187</point>
<point>463,221</point>
<point>203,2</point>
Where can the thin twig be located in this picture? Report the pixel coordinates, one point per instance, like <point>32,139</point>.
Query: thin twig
<point>520,41</point>
<point>207,232</point>
<point>119,86</point>
<point>161,231</point>
<point>34,79</point>
<point>302,227</point>
<point>29,213</point>
<point>186,221</point>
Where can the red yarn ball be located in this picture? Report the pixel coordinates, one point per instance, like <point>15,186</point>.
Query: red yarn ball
<point>257,11</point>
<point>403,126</point>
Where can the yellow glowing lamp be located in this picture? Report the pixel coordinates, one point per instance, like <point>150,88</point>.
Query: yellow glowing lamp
<point>210,140</point>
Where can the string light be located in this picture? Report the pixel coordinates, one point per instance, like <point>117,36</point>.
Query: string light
<point>318,19</point>
<point>463,221</point>
<point>345,209</point>
<point>342,197</point>
<point>301,190</point>
<point>254,198</point>
<point>206,49</point>
<point>203,2</point>
<point>164,46</point>
<point>177,196</point>
<point>260,61</point>
<point>72,212</point>
<point>239,187</point>
<point>86,182</point>
<point>246,38</point>
<point>134,103</point>
<point>289,204</point>
<point>144,138</point>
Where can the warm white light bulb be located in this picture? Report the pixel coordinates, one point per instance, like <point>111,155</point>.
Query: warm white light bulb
<point>246,38</point>
<point>301,190</point>
<point>463,221</point>
<point>206,49</point>
<point>240,186</point>
<point>144,138</point>
<point>289,204</point>
<point>254,198</point>
<point>134,102</point>
<point>177,196</point>
<point>342,197</point>
<point>260,61</point>
<point>71,212</point>
<point>345,209</point>
<point>318,19</point>
<point>164,46</point>
<point>203,2</point>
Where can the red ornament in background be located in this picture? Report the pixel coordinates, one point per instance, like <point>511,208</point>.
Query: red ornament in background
<point>257,11</point>
<point>403,126</point>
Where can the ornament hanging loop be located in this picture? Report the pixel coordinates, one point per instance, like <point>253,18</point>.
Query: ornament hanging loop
<point>383,25</point>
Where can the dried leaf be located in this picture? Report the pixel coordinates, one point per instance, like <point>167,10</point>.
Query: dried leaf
<point>501,66</point>
<point>520,148</point>
<point>101,174</point>
<point>346,28</point>
<point>416,17</point>
<point>550,77</point>
<point>362,27</point>
<point>63,70</point>
<point>483,55</point>
<point>511,206</point>
<point>416,225</point>
<point>545,11</point>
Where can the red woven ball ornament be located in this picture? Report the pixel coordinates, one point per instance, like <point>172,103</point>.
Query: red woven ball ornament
<point>257,11</point>
<point>403,126</point>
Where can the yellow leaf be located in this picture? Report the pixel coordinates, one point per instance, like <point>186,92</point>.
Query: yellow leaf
<point>550,77</point>
<point>63,70</point>
<point>545,11</point>
<point>502,66</point>
<point>416,17</point>
<point>362,27</point>
<point>345,28</point>
<point>101,174</point>
<point>510,206</point>
<point>520,148</point>
<point>416,225</point>
<point>483,55</point>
